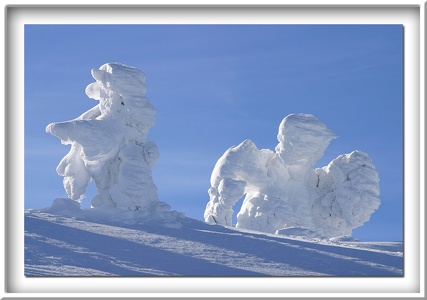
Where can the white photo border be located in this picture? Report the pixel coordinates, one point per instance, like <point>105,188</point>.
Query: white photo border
<point>409,13</point>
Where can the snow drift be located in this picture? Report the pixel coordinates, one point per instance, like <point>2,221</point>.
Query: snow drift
<point>283,193</point>
<point>109,145</point>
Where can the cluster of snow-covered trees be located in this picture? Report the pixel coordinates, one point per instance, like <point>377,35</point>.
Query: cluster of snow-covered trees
<point>283,193</point>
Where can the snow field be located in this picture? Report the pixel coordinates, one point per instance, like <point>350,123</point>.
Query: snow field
<point>60,245</point>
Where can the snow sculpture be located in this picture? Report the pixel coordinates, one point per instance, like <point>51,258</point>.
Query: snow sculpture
<point>284,194</point>
<point>109,144</point>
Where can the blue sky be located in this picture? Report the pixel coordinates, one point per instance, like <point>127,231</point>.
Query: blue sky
<point>216,85</point>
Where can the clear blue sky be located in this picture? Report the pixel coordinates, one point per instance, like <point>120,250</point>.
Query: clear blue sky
<point>216,85</point>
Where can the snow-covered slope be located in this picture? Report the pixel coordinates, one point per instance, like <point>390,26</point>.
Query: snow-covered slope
<point>128,231</point>
<point>61,245</point>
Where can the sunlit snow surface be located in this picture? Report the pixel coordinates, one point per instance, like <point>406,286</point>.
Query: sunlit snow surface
<point>88,245</point>
<point>284,192</point>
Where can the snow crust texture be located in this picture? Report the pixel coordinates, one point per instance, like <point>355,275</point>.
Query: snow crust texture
<point>60,245</point>
<point>282,191</point>
<point>109,144</point>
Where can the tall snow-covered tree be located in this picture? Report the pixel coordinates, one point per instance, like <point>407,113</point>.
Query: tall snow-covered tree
<point>110,145</point>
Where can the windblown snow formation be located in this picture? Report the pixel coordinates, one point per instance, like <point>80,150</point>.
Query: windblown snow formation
<point>284,194</point>
<point>109,144</point>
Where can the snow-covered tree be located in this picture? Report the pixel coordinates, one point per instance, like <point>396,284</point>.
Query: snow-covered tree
<point>285,194</point>
<point>109,144</point>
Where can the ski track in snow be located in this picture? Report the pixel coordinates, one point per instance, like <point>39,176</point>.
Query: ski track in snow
<point>65,246</point>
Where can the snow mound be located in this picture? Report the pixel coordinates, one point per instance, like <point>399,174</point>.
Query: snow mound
<point>283,191</point>
<point>64,207</point>
<point>109,145</point>
<point>158,215</point>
